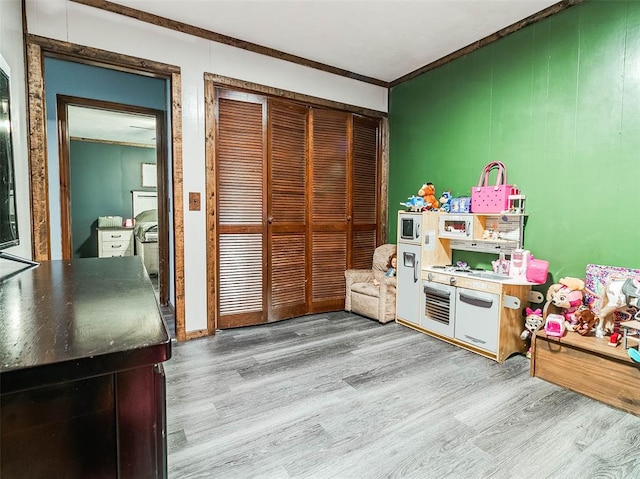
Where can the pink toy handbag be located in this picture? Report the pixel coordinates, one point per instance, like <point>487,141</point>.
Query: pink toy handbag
<point>492,199</point>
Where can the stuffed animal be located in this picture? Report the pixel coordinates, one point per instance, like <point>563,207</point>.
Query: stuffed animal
<point>564,300</point>
<point>445,201</point>
<point>428,193</point>
<point>575,284</point>
<point>532,322</point>
<point>586,320</point>
<point>414,203</point>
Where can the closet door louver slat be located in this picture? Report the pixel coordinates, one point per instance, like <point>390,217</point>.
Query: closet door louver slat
<point>240,153</point>
<point>365,180</point>
<point>240,273</point>
<point>329,202</point>
<point>363,244</point>
<point>329,258</point>
<point>288,145</point>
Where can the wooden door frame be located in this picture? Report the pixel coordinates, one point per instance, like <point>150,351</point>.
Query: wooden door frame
<point>213,81</point>
<point>36,49</point>
<point>63,102</point>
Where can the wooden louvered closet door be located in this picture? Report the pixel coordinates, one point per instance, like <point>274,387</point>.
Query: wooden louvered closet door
<point>296,201</point>
<point>241,184</point>
<point>327,237</point>
<point>286,210</point>
<point>364,192</point>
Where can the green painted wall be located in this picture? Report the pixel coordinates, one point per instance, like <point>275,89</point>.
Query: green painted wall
<point>102,177</point>
<point>559,103</point>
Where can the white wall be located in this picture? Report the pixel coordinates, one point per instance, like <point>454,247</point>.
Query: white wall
<point>80,24</point>
<point>12,50</point>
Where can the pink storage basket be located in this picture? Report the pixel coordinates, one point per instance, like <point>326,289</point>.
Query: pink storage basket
<point>492,199</point>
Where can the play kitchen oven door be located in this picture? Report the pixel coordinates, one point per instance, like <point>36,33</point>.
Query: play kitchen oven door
<point>477,317</point>
<point>438,308</point>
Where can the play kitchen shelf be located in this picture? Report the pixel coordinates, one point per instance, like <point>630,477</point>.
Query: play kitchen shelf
<point>482,233</point>
<point>477,310</point>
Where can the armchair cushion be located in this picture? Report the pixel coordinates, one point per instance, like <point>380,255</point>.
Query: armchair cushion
<point>366,288</point>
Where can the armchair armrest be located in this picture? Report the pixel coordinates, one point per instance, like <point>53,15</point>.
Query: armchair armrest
<point>355,276</point>
<point>387,297</point>
<point>390,281</point>
<point>358,276</point>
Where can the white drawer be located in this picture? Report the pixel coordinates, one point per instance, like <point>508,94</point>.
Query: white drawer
<point>115,242</point>
<point>115,236</point>
<point>114,253</point>
<point>117,246</point>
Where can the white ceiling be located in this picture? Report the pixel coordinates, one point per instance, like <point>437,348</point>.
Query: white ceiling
<point>382,39</point>
<point>111,126</point>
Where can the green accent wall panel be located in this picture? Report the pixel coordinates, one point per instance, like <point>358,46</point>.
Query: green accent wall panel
<point>102,176</point>
<point>630,119</point>
<point>539,94</point>
<point>559,103</point>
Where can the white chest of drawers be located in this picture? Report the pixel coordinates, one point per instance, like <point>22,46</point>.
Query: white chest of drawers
<point>115,242</point>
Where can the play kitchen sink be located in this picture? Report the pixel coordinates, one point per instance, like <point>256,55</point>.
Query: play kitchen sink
<point>471,273</point>
<point>489,275</point>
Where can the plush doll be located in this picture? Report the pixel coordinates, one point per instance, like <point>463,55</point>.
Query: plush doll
<point>445,201</point>
<point>428,193</point>
<point>532,322</point>
<point>586,320</point>
<point>392,264</point>
<point>563,299</point>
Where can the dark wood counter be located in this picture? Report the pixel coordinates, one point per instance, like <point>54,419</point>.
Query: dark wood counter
<point>81,381</point>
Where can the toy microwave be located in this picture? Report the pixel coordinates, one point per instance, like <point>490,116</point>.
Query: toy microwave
<point>455,226</point>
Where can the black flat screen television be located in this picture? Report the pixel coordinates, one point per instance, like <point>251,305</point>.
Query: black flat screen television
<point>8,217</point>
<point>8,210</point>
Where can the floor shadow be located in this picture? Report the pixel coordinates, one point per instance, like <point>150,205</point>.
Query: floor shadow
<point>168,313</point>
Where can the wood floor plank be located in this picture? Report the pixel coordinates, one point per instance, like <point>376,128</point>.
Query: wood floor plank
<point>336,395</point>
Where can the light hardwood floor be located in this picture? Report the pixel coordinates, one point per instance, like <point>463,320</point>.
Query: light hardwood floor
<point>340,396</point>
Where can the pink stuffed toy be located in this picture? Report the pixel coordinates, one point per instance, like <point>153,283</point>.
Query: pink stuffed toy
<point>565,301</point>
<point>532,322</point>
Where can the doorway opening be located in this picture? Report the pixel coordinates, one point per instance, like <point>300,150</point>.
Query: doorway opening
<point>113,161</point>
<point>40,50</point>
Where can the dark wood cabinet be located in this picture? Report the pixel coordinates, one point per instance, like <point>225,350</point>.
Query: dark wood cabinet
<point>82,390</point>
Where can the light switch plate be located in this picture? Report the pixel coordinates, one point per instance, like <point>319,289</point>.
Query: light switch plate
<point>194,201</point>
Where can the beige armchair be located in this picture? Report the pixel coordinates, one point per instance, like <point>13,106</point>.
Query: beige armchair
<point>367,299</point>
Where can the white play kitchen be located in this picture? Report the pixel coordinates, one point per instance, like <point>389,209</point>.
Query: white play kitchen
<point>478,310</point>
